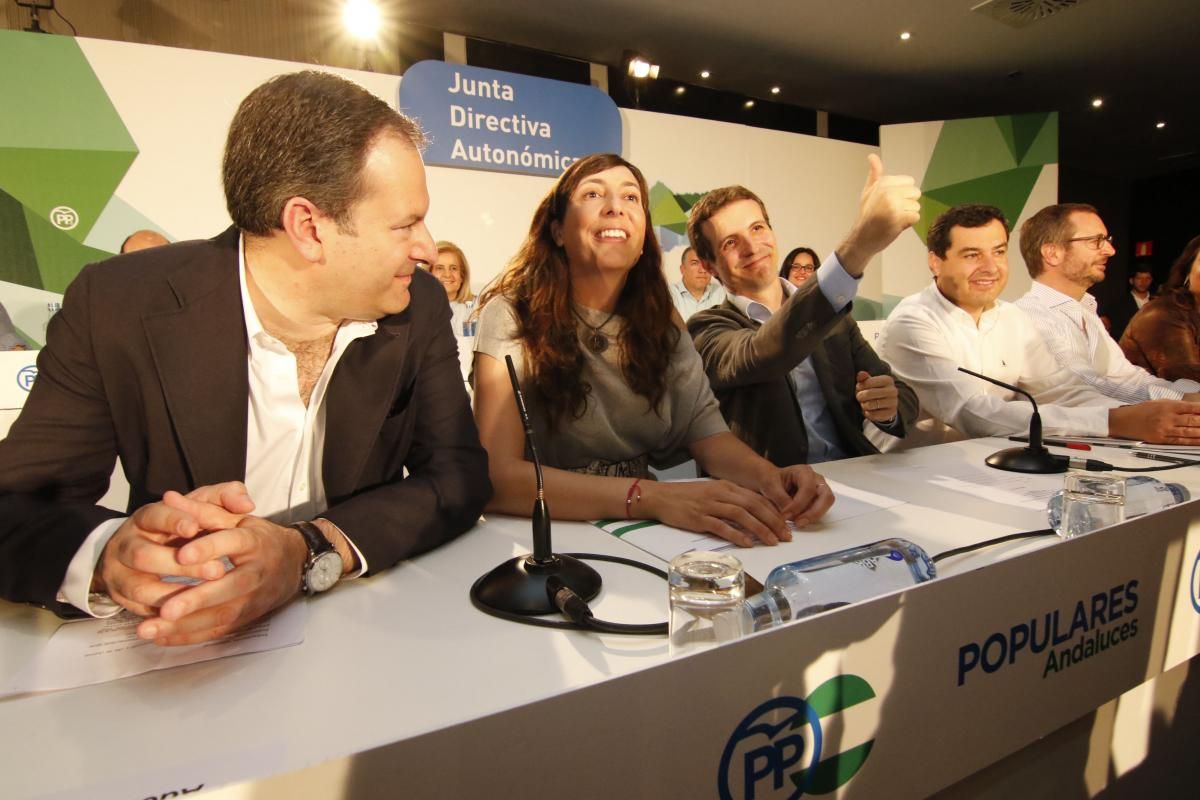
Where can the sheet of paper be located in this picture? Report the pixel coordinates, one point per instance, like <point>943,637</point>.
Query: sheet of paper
<point>666,542</point>
<point>99,650</point>
<point>1018,489</point>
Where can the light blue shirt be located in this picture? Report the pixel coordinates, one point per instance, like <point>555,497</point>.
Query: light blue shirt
<point>839,288</point>
<point>714,295</point>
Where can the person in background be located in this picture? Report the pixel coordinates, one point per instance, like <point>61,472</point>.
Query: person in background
<point>799,265</point>
<point>796,379</point>
<point>697,290</point>
<point>1164,337</point>
<point>452,270</point>
<point>959,321</point>
<point>1066,248</point>
<point>611,383</point>
<point>284,398</point>
<point>9,338</point>
<point>1116,314</point>
<point>143,240</point>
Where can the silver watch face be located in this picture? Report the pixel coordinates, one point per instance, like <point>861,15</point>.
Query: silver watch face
<point>324,572</point>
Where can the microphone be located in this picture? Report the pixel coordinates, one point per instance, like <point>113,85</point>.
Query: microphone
<point>519,585</point>
<point>1035,457</point>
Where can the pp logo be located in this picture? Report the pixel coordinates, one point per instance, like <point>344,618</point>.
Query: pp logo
<point>64,218</point>
<point>779,749</point>
<point>26,376</point>
<point>1195,584</point>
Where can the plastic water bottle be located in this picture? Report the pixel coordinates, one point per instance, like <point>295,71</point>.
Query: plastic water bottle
<point>1143,495</point>
<point>808,587</point>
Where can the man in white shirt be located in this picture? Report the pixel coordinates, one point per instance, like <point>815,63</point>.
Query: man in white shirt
<point>959,321</point>
<point>1066,248</point>
<point>298,366</point>
<point>697,291</point>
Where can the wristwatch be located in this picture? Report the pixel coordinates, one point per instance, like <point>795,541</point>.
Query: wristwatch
<point>324,566</point>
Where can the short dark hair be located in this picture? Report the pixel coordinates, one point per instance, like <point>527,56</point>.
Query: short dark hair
<point>786,266</point>
<point>969,215</point>
<point>304,134</point>
<point>710,204</point>
<point>1050,225</point>
<point>683,258</point>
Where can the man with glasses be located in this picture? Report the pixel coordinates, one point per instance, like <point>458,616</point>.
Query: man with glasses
<point>795,378</point>
<point>1066,248</point>
<point>959,320</point>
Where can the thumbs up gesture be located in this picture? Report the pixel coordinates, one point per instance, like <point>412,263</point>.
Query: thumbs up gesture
<point>889,204</point>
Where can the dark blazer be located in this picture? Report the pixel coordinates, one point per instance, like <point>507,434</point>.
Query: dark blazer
<point>147,362</point>
<point>749,366</point>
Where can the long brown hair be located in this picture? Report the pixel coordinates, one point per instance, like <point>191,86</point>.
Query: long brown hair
<point>538,284</point>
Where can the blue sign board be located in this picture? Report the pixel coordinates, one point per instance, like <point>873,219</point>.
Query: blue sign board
<point>500,122</point>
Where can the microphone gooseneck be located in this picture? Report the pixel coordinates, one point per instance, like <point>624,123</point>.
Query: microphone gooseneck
<point>519,585</point>
<point>1034,458</point>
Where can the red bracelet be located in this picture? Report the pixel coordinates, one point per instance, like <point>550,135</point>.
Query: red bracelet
<point>630,499</point>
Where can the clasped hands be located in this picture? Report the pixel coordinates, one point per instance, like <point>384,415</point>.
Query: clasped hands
<point>191,536</point>
<point>785,497</point>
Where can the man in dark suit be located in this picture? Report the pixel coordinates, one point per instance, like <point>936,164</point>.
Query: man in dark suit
<point>295,366</point>
<point>795,378</point>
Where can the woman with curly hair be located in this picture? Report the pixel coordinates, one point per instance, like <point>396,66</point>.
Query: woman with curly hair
<point>612,381</point>
<point>1164,336</point>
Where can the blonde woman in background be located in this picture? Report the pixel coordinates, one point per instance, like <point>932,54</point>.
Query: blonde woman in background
<point>452,270</point>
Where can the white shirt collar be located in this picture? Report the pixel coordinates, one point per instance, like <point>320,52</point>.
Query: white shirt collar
<point>756,310</point>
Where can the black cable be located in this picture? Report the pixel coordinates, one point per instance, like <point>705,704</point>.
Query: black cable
<point>1094,465</point>
<point>998,540</point>
<point>575,608</point>
<point>54,8</point>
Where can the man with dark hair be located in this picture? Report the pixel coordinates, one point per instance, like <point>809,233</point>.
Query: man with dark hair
<point>1115,314</point>
<point>297,366</point>
<point>1064,313</point>
<point>795,378</point>
<point>959,321</point>
<point>697,290</point>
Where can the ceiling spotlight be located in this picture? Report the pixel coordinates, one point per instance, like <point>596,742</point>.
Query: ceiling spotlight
<point>1097,102</point>
<point>361,18</point>
<point>774,90</point>
<point>704,73</point>
<point>748,104</point>
<point>641,68</point>
<point>680,89</point>
<point>1160,125</point>
<point>905,36</point>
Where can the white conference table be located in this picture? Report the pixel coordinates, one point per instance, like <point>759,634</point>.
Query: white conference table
<point>443,700</point>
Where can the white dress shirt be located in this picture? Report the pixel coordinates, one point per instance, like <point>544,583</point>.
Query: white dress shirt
<point>686,304</point>
<point>927,338</point>
<point>285,444</point>
<point>1074,335</point>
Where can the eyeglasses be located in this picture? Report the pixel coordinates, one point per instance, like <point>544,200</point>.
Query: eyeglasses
<point>805,268</point>
<point>1094,242</point>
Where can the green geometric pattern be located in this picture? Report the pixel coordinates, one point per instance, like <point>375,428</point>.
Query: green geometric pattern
<point>63,152</point>
<point>833,696</point>
<point>993,160</point>
<point>669,213</point>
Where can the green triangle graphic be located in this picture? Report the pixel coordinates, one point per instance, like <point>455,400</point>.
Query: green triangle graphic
<point>665,210</point>
<point>59,256</point>
<point>966,149</point>
<point>1006,190</point>
<point>1044,147</point>
<point>79,180</point>
<point>1023,130</point>
<point>931,209</point>
<point>19,264</point>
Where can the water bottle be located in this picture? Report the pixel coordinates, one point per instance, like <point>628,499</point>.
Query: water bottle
<point>808,587</point>
<point>1143,495</point>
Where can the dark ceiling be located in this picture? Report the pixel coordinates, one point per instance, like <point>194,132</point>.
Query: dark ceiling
<point>846,56</point>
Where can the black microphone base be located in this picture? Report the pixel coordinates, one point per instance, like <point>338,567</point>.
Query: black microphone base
<point>1023,459</point>
<point>519,584</point>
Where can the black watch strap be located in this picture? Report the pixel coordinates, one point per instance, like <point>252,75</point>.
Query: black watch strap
<point>316,541</point>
